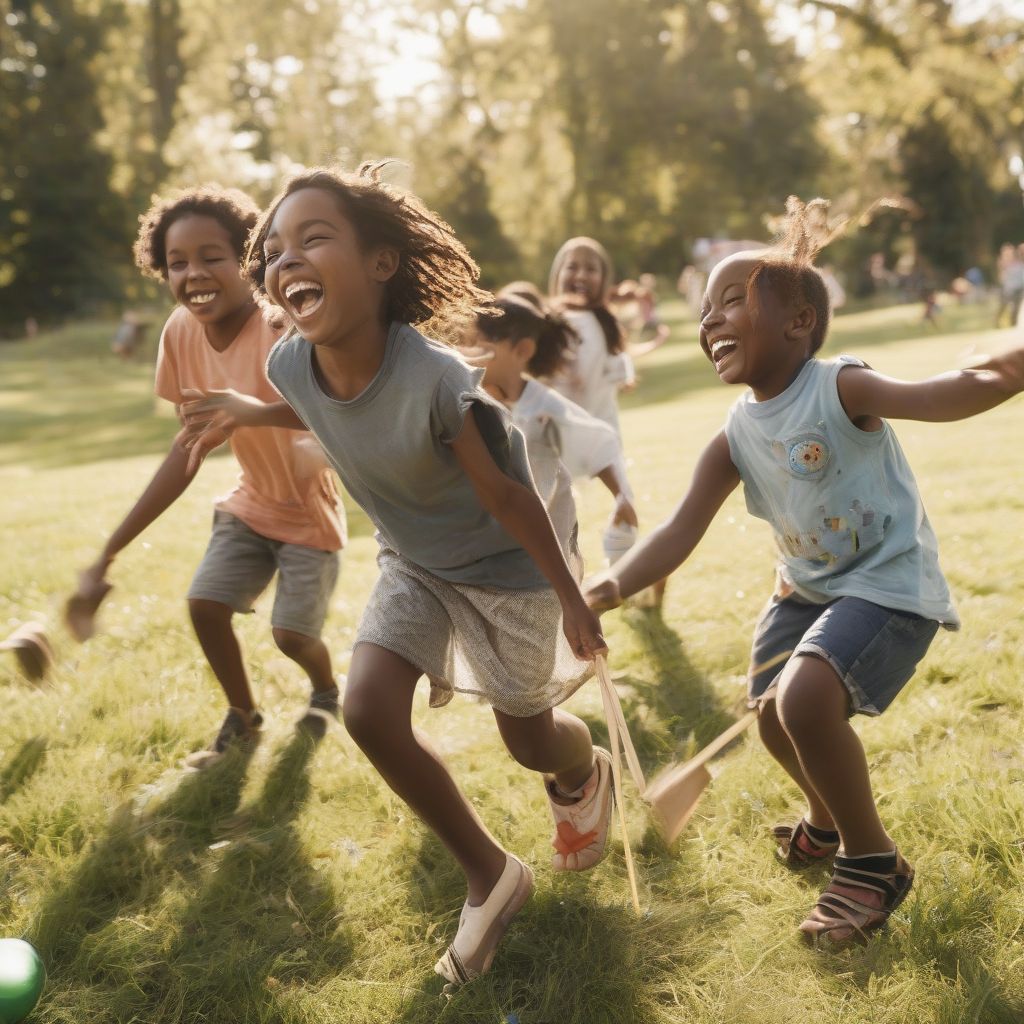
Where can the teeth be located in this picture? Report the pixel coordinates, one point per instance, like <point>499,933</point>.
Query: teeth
<point>721,345</point>
<point>301,286</point>
<point>200,297</point>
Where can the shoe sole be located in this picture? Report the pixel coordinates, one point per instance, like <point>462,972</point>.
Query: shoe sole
<point>452,970</point>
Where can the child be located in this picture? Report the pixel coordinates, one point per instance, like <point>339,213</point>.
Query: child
<point>522,341</point>
<point>581,277</point>
<point>862,594</point>
<point>580,282</point>
<point>473,583</point>
<point>283,516</point>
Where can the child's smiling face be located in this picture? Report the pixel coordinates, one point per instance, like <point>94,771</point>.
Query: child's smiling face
<point>582,274</point>
<point>203,268</point>
<point>746,345</point>
<point>318,271</point>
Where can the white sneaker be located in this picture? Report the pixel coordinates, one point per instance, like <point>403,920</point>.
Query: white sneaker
<point>482,928</point>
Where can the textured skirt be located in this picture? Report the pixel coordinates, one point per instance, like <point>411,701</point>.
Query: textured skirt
<point>505,646</point>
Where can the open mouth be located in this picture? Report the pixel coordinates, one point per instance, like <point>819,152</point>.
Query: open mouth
<point>200,298</point>
<point>304,297</point>
<point>721,347</point>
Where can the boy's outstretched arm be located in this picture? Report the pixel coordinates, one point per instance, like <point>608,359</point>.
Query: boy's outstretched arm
<point>668,546</point>
<point>949,396</point>
<point>167,485</point>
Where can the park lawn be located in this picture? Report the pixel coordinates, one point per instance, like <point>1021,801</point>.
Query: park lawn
<point>293,887</point>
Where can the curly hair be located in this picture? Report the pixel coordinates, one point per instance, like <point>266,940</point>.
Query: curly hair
<point>786,269</point>
<point>513,317</point>
<point>230,207</point>
<point>436,280</point>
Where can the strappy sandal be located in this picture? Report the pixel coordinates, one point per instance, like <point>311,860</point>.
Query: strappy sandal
<point>857,902</point>
<point>802,845</point>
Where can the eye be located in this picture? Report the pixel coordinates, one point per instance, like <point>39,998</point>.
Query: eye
<point>732,298</point>
<point>177,265</point>
<point>270,257</point>
<point>314,238</point>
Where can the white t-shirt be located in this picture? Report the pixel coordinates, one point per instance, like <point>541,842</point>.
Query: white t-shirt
<point>592,379</point>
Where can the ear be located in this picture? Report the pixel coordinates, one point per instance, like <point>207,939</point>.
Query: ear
<point>383,264</point>
<point>525,348</point>
<point>801,325</point>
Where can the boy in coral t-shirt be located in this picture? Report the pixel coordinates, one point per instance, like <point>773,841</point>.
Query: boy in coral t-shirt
<point>283,516</point>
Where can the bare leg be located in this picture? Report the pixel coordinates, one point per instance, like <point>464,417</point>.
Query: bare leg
<point>781,748</point>
<point>554,742</point>
<point>310,654</point>
<point>212,623</point>
<point>378,716</point>
<point>812,708</point>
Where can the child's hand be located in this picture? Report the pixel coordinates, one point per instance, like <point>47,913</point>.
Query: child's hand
<point>624,512</point>
<point>227,409</point>
<point>80,609</point>
<point>582,629</point>
<point>602,594</point>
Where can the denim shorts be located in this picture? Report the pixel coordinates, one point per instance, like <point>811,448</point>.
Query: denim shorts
<point>240,563</point>
<point>873,650</point>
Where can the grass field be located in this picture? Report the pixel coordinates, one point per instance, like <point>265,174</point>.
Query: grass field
<point>293,887</point>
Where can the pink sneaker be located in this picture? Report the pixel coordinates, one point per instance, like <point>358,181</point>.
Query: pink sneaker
<point>581,827</point>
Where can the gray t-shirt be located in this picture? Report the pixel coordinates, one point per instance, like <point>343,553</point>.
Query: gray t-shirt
<point>391,446</point>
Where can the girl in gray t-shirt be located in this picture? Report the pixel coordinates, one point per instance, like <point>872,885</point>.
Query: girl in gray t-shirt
<point>861,593</point>
<point>474,589</point>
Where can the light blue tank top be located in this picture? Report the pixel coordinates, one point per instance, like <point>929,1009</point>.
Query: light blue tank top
<point>842,502</point>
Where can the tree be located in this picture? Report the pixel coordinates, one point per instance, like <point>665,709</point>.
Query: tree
<point>63,230</point>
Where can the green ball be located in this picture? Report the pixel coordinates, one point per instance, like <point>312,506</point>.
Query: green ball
<point>22,977</point>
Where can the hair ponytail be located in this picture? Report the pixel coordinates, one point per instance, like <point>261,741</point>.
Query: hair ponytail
<point>513,318</point>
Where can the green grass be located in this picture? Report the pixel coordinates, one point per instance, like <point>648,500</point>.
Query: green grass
<point>293,887</point>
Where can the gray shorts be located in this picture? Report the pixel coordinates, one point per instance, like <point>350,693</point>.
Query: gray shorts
<point>873,650</point>
<point>240,563</point>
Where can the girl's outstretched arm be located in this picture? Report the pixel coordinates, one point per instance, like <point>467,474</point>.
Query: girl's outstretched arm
<point>668,546</point>
<point>212,416</point>
<point>521,513</point>
<point>866,394</point>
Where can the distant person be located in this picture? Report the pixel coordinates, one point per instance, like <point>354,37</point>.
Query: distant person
<point>580,283</point>
<point>861,593</point>
<point>836,292</point>
<point>31,327</point>
<point>1010,275</point>
<point>129,336</point>
<point>283,518</point>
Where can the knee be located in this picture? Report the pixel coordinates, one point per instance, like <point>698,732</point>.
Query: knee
<point>294,645</point>
<point>207,615</point>
<point>362,718</point>
<point>529,752</point>
<point>810,703</point>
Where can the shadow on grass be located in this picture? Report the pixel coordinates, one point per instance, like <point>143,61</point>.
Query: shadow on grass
<point>130,864</point>
<point>567,959</point>
<point>22,766</point>
<point>165,899</point>
<point>671,711</point>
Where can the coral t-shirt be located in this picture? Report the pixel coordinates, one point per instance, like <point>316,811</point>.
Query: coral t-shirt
<point>285,491</point>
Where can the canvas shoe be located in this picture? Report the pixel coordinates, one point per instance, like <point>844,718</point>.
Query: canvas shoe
<point>482,928</point>
<point>241,727</point>
<point>323,711</point>
<point>581,827</point>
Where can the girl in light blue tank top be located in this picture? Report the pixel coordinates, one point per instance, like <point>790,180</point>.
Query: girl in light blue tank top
<point>860,593</point>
